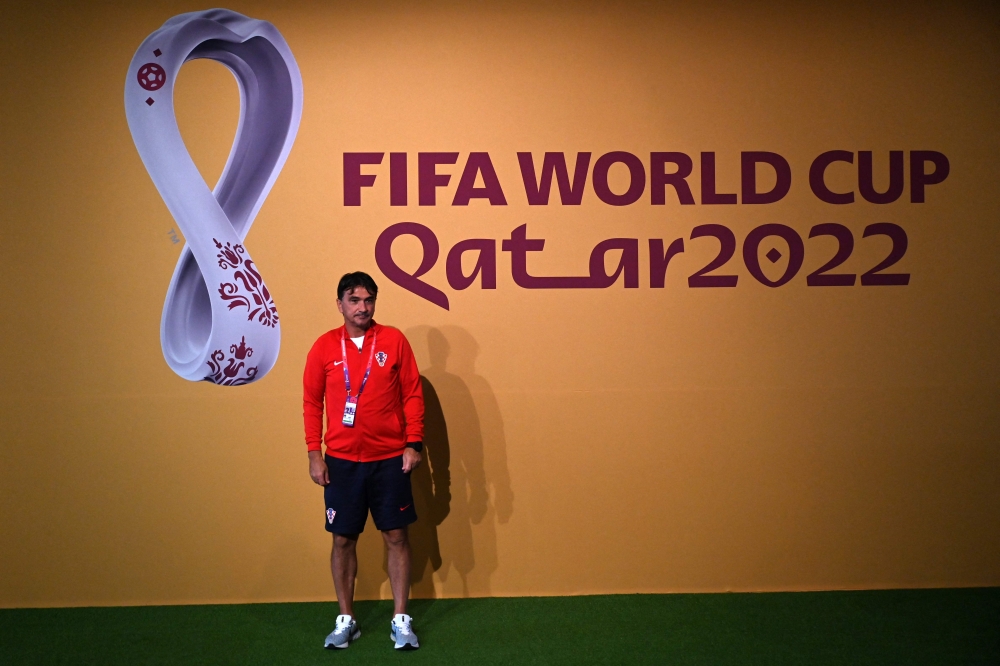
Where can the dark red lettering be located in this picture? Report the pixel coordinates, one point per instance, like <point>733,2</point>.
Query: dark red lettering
<point>659,179</point>
<point>659,260</point>
<point>554,163</point>
<point>410,281</point>
<point>866,177</point>
<point>397,179</point>
<point>727,247</point>
<point>479,163</point>
<point>486,264</point>
<point>637,178</point>
<point>428,179</point>
<point>354,180</point>
<point>627,265</point>
<point>796,252</point>
<point>748,176</point>
<point>919,178</point>
<point>519,245</point>
<point>817,172</point>
<point>708,193</point>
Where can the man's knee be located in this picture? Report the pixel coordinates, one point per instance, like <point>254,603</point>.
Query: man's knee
<point>345,542</point>
<point>395,538</point>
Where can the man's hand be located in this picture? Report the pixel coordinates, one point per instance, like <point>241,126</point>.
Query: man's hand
<point>317,469</point>
<point>411,460</point>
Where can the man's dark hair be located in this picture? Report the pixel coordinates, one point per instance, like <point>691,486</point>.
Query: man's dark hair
<point>353,280</point>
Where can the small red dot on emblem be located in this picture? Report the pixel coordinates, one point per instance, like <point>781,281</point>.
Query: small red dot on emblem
<point>149,101</point>
<point>157,53</point>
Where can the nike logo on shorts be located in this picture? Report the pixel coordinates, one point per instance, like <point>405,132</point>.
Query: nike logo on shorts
<point>336,363</point>
<point>404,508</point>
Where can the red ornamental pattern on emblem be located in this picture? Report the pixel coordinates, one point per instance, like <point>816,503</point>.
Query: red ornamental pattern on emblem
<point>232,373</point>
<point>257,299</point>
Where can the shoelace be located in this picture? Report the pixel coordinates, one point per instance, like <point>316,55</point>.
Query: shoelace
<point>403,625</point>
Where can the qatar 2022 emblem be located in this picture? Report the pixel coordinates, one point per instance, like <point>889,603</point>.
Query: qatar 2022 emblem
<point>219,322</point>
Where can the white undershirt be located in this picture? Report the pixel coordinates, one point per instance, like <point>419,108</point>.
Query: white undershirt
<point>358,341</point>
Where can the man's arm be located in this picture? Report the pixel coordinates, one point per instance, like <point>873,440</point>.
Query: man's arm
<point>412,392</point>
<point>411,459</point>
<point>318,470</point>
<point>313,392</point>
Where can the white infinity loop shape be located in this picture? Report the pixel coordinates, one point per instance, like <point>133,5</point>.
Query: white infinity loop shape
<point>219,321</point>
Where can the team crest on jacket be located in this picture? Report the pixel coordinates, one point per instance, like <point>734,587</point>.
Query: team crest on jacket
<point>381,357</point>
<point>330,514</point>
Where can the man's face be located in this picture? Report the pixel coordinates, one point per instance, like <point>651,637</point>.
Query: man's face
<point>357,306</point>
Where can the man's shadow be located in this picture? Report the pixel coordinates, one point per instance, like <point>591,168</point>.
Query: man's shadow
<point>464,489</point>
<point>431,496</point>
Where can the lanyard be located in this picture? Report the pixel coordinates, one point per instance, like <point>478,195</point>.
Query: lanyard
<point>343,356</point>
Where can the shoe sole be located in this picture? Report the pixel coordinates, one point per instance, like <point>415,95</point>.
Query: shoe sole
<point>353,637</point>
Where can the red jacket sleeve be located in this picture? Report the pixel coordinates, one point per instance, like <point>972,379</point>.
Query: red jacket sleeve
<point>313,392</point>
<point>412,392</point>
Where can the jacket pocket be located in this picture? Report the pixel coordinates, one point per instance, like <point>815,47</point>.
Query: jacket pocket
<point>388,429</point>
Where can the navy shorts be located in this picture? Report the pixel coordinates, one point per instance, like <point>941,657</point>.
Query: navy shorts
<point>357,487</point>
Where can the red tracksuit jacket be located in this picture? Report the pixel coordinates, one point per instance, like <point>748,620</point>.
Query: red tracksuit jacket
<point>390,412</point>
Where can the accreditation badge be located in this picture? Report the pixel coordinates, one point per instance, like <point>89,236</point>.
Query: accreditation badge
<point>350,408</point>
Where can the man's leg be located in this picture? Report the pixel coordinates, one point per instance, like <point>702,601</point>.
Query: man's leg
<point>397,545</point>
<point>344,567</point>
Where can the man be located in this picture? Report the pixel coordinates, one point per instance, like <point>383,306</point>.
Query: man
<point>374,434</point>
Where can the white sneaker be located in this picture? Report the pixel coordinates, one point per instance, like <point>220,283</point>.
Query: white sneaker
<point>402,634</point>
<point>342,635</point>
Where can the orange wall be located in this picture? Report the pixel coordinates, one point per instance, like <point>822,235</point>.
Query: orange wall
<point>592,441</point>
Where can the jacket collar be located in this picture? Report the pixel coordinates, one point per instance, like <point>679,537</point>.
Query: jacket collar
<point>342,330</point>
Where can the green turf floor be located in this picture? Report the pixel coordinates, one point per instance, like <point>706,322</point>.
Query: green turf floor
<point>896,627</point>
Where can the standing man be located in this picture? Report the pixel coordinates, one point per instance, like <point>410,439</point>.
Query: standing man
<point>374,434</point>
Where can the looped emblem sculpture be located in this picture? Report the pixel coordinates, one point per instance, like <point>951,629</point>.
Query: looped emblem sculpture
<point>219,320</point>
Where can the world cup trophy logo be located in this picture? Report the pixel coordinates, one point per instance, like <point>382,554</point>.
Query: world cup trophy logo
<point>219,321</point>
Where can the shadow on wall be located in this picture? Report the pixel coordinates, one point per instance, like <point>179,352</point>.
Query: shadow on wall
<point>464,489</point>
